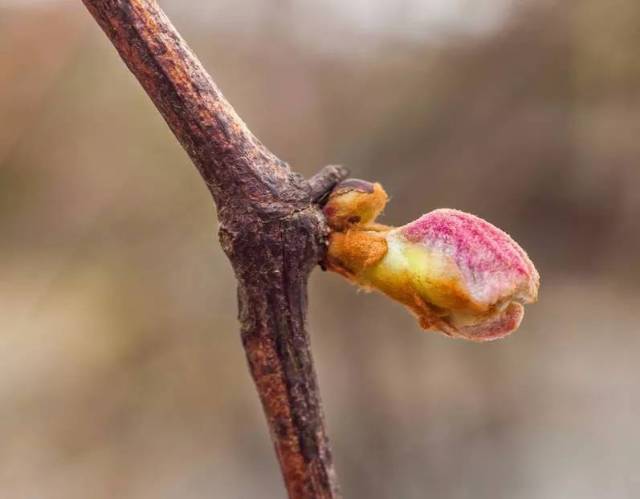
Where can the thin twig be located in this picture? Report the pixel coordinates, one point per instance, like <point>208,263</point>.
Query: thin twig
<point>270,228</point>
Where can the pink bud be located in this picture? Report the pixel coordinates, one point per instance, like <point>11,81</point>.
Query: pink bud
<point>456,272</point>
<point>477,277</point>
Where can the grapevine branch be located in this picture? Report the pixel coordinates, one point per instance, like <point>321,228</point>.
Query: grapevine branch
<point>270,228</point>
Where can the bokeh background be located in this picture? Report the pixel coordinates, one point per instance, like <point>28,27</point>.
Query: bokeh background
<point>121,369</point>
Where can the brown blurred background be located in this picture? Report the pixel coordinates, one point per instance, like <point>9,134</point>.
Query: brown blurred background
<point>121,369</point>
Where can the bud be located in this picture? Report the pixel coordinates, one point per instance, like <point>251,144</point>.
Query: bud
<point>458,273</point>
<point>354,202</point>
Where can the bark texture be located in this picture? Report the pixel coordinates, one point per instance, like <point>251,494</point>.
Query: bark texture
<point>270,228</point>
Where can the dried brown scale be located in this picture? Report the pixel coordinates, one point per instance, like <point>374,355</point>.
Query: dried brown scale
<point>270,228</point>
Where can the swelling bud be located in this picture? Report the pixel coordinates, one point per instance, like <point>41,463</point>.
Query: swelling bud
<point>457,273</point>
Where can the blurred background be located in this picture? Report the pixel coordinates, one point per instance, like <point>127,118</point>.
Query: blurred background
<point>121,369</point>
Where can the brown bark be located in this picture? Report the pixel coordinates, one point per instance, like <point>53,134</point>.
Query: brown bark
<point>270,228</point>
